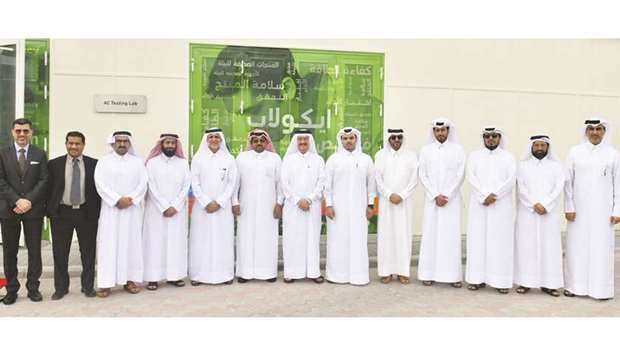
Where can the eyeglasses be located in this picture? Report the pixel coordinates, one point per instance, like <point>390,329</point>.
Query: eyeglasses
<point>395,137</point>
<point>492,135</point>
<point>22,131</point>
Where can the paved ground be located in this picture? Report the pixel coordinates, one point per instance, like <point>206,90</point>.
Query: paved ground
<point>306,299</point>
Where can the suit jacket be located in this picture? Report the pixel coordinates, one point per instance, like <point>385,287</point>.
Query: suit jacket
<point>32,186</point>
<point>56,186</point>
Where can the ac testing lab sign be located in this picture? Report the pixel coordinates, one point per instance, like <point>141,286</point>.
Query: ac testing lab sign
<point>120,103</point>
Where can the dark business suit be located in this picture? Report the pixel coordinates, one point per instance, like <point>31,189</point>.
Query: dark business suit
<point>65,219</point>
<point>30,185</point>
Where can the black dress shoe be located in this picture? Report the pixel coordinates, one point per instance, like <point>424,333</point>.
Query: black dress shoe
<point>90,293</point>
<point>241,280</point>
<point>272,280</point>
<point>10,298</point>
<point>35,296</point>
<point>59,295</point>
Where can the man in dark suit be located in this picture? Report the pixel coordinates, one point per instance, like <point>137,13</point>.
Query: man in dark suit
<point>23,180</point>
<point>73,204</point>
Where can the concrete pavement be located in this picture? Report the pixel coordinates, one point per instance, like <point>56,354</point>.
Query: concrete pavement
<point>304,299</point>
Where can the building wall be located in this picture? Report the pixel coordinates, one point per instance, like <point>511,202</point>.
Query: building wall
<point>524,86</point>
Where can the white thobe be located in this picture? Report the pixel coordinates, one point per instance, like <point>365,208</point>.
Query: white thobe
<point>119,235</point>
<point>442,169</point>
<point>257,229</point>
<point>303,177</point>
<point>490,229</point>
<point>349,188</point>
<point>592,191</point>
<point>538,239</point>
<point>165,238</point>
<point>396,173</point>
<point>212,238</point>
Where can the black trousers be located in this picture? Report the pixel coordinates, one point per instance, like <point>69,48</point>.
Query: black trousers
<point>63,226</point>
<point>11,230</point>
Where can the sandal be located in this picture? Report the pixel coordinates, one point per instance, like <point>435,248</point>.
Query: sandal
<point>503,291</point>
<point>403,279</point>
<point>289,281</point>
<point>476,287</point>
<point>567,293</point>
<point>457,284</point>
<point>152,286</point>
<point>131,287</point>
<point>178,283</point>
<point>195,283</point>
<point>428,283</point>
<point>103,292</point>
<point>229,282</point>
<point>522,289</point>
<point>319,280</point>
<point>550,291</point>
<point>386,279</point>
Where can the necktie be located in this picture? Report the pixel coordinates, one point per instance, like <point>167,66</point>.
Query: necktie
<point>75,193</point>
<point>22,161</point>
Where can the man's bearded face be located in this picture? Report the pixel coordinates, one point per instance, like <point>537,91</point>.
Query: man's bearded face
<point>169,147</point>
<point>348,141</point>
<point>540,149</point>
<point>258,143</point>
<point>491,140</point>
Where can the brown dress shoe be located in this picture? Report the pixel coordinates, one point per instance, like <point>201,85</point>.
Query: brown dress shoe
<point>103,292</point>
<point>132,288</point>
<point>386,279</point>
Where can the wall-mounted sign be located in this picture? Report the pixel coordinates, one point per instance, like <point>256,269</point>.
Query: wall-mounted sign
<point>120,103</point>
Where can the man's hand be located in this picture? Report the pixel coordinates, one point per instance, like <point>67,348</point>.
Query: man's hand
<point>490,200</point>
<point>330,213</point>
<point>540,209</point>
<point>23,205</point>
<point>171,211</point>
<point>124,202</point>
<point>615,219</point>
<point>441,200</point>
<point>277,211</point>
<point>18,211</point>
<point>570,216</point>
<point>304,204</point>
<point>212,207</point>
<point>236,210</point>
<point>395,199</point>
<point>369,212</point>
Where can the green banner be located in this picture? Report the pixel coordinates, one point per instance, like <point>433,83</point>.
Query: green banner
<point>278,89</point>
<point>36,97</point>
<point>36,89</point>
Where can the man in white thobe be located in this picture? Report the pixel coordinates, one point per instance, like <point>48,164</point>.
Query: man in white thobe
<point>538,239</point>
<point>349,197</point>
<point>302,181</point>
<point>592,206</point>
<point>442,170</point>
<point>491,172</point>
<point>396,169</point>
<point>121,181</point>
<point>165,213</point>
<point>212,235</point>
<point>258,205</point>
